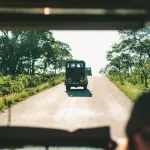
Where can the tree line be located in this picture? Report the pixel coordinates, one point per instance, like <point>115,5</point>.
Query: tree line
<point>129,59</point>
<point>31,52</point>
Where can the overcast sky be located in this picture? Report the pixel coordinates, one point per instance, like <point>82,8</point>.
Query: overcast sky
<point>90,46</point>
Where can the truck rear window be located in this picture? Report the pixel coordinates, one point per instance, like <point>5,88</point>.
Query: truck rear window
<point>75,65</point>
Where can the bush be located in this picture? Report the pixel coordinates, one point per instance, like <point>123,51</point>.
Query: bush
<point>15,84</point>
<point>16,89</point>
<point>1,104</point>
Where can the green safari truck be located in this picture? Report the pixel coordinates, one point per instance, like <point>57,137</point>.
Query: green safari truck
<point>75,75</point>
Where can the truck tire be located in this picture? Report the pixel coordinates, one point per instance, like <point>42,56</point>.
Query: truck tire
<point>85,87</point>
<point>67,88</point>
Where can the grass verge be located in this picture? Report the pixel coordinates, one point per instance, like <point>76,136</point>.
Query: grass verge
<point>131,91</point>
<point>12,99</point>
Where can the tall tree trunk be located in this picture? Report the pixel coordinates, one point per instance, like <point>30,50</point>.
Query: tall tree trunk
<point>30,69</point>
<point>33,66</point>
<point>142,79</point>
<point>55,71</point>
<point>145,79</point>
<point>55,67</point>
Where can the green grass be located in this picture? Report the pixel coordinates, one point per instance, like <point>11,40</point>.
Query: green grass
<point>12,99</point>
<point>131,91</point>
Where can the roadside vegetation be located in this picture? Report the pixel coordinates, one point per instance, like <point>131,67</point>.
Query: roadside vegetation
<point>129,62</point>
<point>26,86</point>
<point>14,84</point>
<point>130,90</point>
<point>29,63</point>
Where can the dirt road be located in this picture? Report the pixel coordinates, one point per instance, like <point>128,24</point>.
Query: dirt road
<point>102,104</point>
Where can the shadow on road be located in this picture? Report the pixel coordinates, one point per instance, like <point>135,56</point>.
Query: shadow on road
<point>79,93</point>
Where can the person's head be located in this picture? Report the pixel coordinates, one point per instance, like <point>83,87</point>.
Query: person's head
<point>138,126</point>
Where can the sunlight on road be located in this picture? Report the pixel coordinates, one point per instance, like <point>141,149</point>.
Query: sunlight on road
<point>78,112</point>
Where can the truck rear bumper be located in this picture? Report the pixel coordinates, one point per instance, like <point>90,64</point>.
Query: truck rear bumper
<point>75,84</point>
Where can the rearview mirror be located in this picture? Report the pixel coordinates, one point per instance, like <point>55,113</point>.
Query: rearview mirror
<point>88,71</point>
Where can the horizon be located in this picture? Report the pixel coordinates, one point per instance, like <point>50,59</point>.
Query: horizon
<point>90,46</point>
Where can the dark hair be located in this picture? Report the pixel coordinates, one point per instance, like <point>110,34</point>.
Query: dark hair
<point>139,118</point>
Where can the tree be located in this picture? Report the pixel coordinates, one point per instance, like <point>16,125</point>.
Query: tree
<point>30,52</point>
<point>130,58</point>
<point>61,55</point>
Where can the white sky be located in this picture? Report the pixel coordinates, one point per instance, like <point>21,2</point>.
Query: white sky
<point>90,46</point>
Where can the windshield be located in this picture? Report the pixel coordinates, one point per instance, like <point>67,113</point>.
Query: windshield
<point>35,93</point>
<point>75,65</point>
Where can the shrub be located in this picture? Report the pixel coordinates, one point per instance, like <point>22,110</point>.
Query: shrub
<point>15,84</point>
<point>23,82</point>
